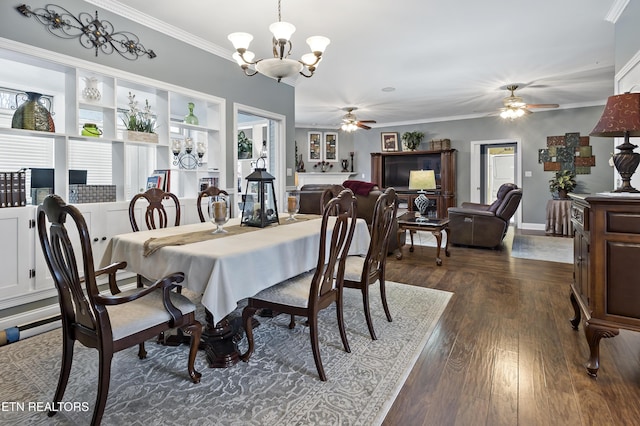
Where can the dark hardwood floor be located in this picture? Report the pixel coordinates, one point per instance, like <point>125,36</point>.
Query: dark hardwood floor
<point>504,352</point>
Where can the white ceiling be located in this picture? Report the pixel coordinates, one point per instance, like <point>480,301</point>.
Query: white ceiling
<point>444,58</point>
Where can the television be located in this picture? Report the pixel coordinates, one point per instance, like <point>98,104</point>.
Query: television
<point>398,167</point>
<point>44,178</point>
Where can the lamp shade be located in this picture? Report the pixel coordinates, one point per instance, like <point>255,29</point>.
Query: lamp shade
<point>240,40</point>
<point>318,43</point>
<point>422,179</point>
<point>282,30</point>
<point>621,115</point>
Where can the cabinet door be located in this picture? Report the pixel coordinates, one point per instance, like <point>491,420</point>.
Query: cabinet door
<point>16,251</point>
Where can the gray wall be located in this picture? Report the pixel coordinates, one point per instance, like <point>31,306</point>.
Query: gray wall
<point>177,63</point>
<point>532,132</point>
<point>627,35</point>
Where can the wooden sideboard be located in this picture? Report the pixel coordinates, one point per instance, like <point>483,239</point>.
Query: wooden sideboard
<point>392,169</point>
<point>606,287</point>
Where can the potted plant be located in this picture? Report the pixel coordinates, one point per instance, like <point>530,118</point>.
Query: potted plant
<point>563,183</point>
<point>412,140</point>
<point>245,145</point>
<point>140,124</point>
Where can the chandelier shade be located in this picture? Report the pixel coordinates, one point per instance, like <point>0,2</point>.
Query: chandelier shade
<point>280,66</point>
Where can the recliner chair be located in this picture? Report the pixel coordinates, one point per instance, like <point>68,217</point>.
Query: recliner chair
<point>484,225</point>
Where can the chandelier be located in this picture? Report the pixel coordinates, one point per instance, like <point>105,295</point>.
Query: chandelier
<point>280,66</point>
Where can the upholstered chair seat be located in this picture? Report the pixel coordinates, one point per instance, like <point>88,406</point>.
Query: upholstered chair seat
<point>354,266</point>
<point>293,292</point>
<point>140,314</point>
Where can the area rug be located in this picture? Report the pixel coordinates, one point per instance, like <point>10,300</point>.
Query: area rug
<point>551,249</point>
<point>278,386</point>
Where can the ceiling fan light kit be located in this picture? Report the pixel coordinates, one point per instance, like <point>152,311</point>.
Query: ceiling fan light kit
<point>280,66</point>
<point>350,123</point>
<point>515,107</point>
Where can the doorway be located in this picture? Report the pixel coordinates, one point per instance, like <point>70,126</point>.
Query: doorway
<point>266,133</point>
<point>494,162</point>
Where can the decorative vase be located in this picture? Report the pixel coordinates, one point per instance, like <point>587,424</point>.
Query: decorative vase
<point>90,92</point>
<point>190,118</point>
<point>90,129</point>
<point>562,194</point>
<point>32,115</point>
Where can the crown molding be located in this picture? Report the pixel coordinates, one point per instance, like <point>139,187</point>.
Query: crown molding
<point>163,27</point>
<point>141,18</point>
<point>616,10</point>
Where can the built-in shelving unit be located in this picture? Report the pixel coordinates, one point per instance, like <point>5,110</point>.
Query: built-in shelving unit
<point>110,159</point>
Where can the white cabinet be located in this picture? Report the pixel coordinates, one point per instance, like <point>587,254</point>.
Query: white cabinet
<point>16,251</point>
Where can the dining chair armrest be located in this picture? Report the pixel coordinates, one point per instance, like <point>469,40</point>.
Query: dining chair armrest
<point>166,283</point>
<point>111,271</point>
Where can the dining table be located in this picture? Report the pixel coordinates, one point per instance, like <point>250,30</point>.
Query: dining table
<point>226,268</point>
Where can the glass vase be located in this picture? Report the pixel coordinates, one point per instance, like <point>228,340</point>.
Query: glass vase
<point>190,118</point>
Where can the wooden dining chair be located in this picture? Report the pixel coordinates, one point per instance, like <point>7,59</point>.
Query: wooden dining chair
<point>307,294</point>
<point>209,192</point>
<point>108,323</point>
<point>362,272</point>
<point>155,215</point>
<point>328,194</point>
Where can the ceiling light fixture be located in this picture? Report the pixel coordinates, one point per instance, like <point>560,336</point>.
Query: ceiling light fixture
<point>512,113</point>
<point>280,66</point>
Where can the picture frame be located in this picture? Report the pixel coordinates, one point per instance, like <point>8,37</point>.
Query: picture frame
<point>331,146</point>
<point>314,146</point>
<point>389,141</point>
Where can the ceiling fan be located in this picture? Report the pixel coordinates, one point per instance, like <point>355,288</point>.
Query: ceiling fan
<point>350,123</point>
<point>514,106</point>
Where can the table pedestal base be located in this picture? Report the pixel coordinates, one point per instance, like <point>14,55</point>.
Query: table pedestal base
<point>220,341</point>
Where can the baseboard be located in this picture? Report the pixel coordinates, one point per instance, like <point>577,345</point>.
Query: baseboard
<point>533,226</point>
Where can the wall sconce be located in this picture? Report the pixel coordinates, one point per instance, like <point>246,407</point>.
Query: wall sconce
<point>183,155</point>
<point>90,31</point>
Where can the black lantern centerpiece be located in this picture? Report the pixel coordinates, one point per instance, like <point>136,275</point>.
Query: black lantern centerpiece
<point>260,208</point>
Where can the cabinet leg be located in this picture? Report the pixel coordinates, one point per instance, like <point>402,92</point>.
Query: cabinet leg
<point>594,333</point>
<point>575,321</point>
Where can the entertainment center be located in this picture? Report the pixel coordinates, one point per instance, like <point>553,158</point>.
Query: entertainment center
<point>391,169</point>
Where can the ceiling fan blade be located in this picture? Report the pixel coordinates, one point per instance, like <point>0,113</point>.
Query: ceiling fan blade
<point>542,105</point>
<point>363,126</point>
<point>366,121</point>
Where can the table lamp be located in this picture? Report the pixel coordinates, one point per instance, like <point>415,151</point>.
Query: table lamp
<point>621,118</point>
<point>422,180</point>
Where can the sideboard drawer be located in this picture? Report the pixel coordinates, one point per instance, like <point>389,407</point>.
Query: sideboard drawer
<point>622,222</point>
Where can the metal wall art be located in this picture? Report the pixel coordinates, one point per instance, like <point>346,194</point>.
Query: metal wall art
<point>569,152</point>
<point>89,30</point>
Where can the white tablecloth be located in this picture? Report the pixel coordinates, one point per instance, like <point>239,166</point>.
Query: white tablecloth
<point>228,269</point>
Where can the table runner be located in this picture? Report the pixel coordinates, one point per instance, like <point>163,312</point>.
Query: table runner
<point>154,244</point>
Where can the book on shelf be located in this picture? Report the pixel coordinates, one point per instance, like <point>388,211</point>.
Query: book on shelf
<point>13,189</point>
<point>208,181</point>
<point>154,182</point>
<point>165,179</point>
<point>3,189</point>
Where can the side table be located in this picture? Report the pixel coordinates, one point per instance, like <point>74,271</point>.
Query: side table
<point>409,221</point>
<point>559,218</point>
